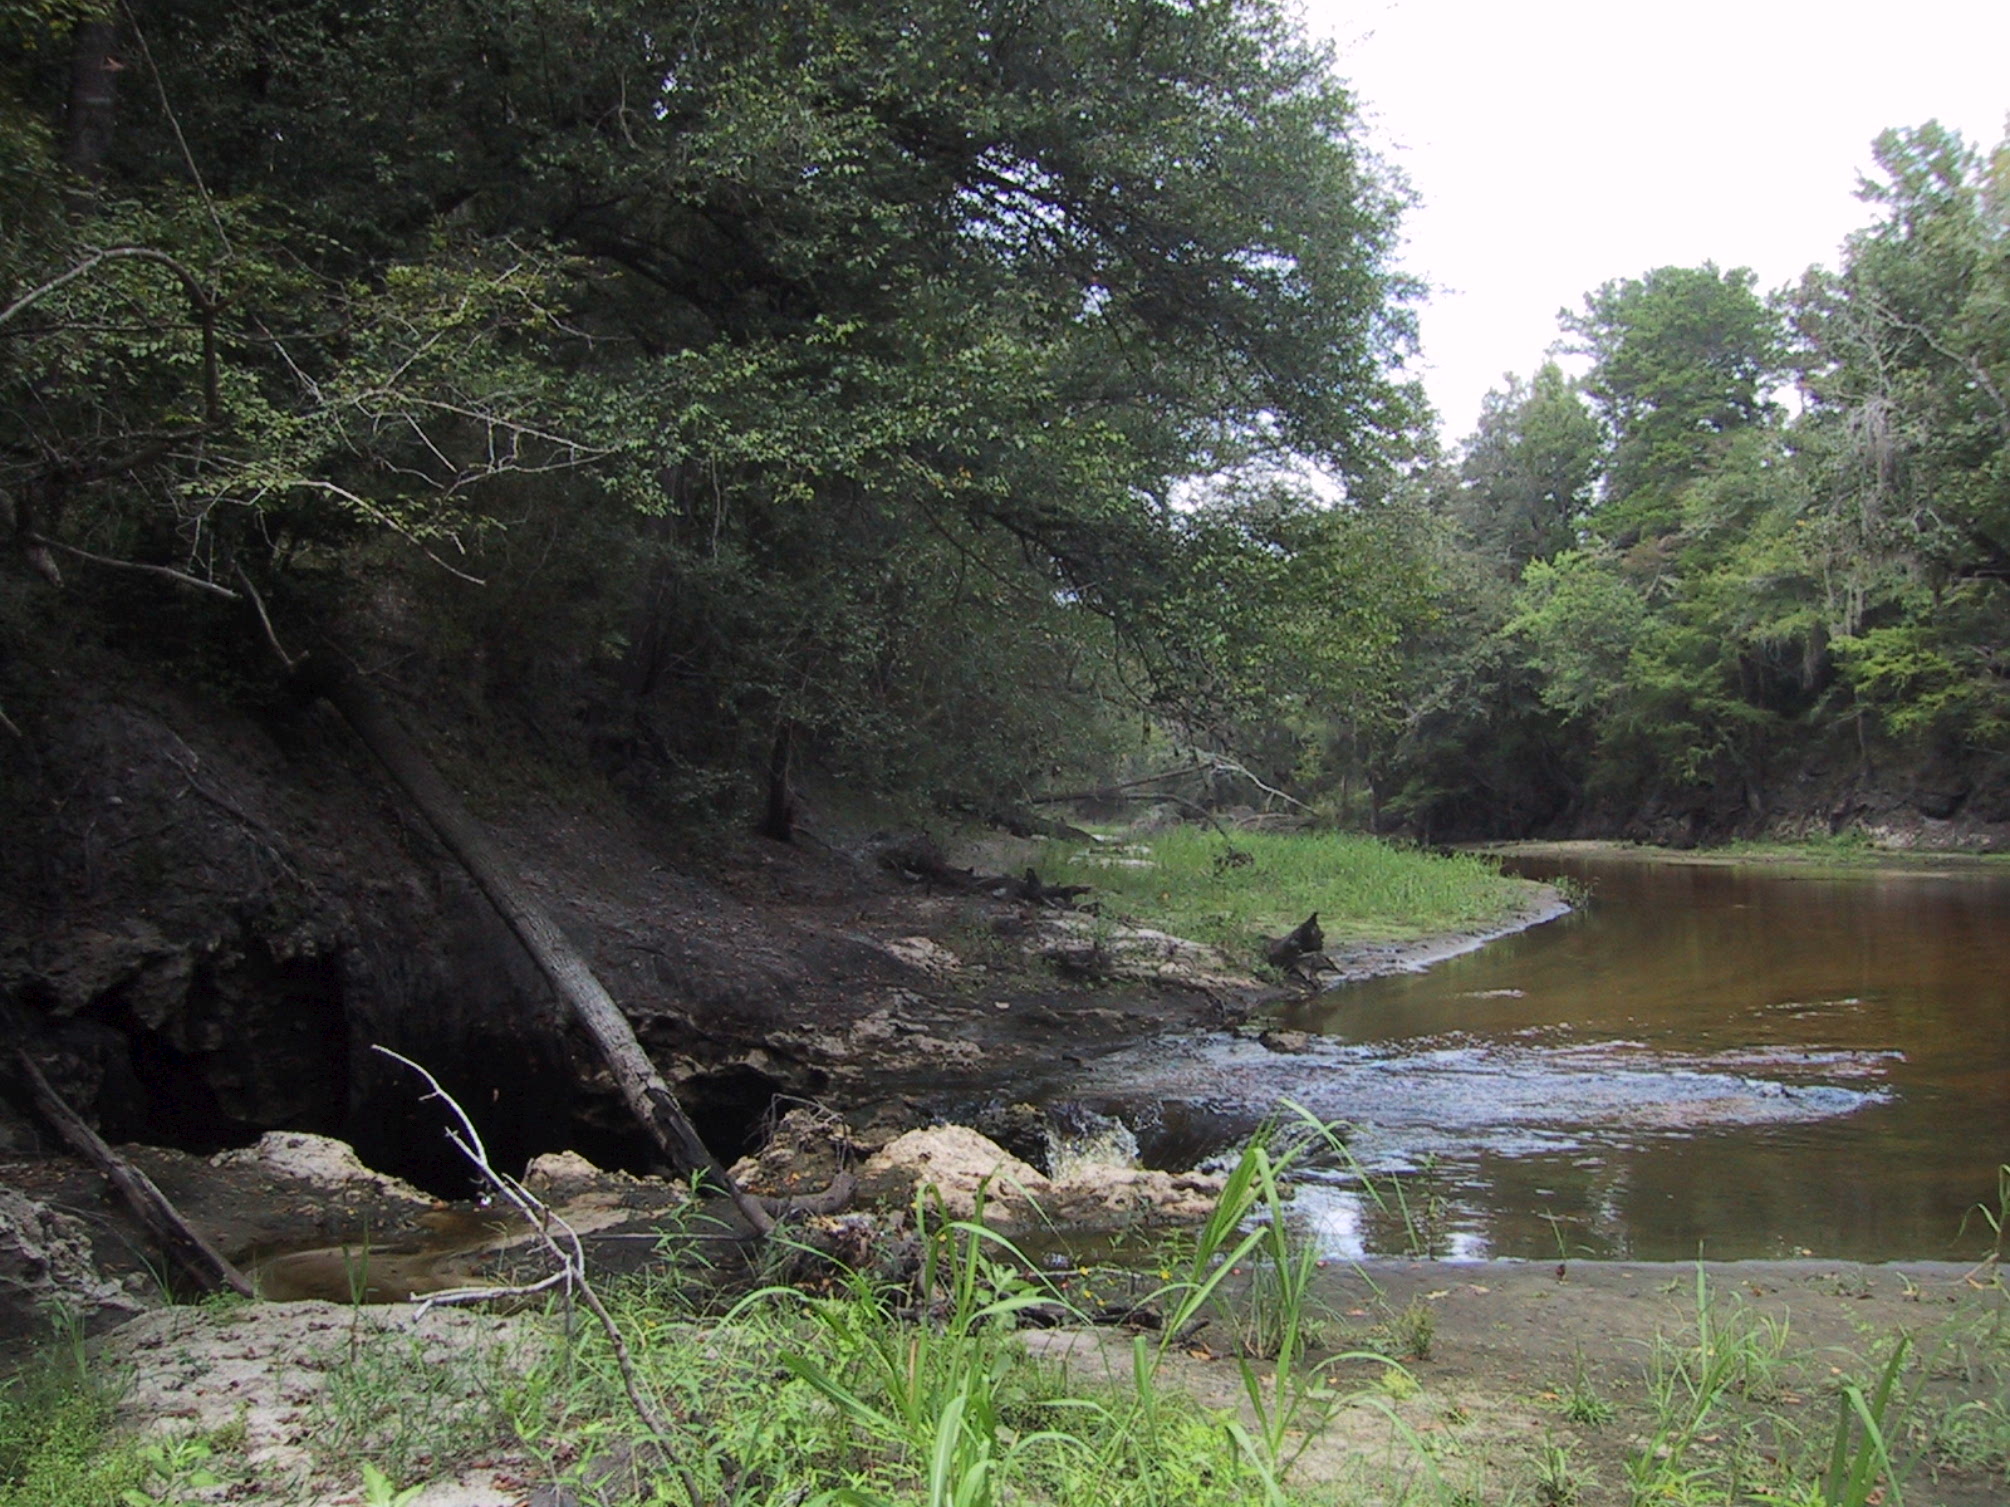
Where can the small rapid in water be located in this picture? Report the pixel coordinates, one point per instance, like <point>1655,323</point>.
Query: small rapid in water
<point>1703,1059</point>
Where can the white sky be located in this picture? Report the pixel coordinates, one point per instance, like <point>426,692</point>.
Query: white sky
<point>1561,143</point>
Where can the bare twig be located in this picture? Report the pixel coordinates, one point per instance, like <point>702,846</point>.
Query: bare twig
<point>180,578</point>
<point>1222,765</point>
<point>364,505</point>
<point>271,637</point>
<point>1108,792</point>
<point>571,1255</point>
<point>174,124</point>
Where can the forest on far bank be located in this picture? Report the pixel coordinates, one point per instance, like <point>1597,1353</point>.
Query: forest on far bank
<point>837,402</point>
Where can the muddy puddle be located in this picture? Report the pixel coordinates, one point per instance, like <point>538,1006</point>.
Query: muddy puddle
<point>1731,1062</point>
<point>437,1250</point>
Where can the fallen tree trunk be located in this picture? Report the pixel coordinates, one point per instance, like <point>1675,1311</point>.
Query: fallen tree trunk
<point>922,859</point>
<point>1146,797</point>
<point>185,1245</point>
<point>1034,891</point>
<point>641,1087</point>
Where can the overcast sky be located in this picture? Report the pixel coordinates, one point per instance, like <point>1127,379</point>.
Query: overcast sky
<point>1561,143</point>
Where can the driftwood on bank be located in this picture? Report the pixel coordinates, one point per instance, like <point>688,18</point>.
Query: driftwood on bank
<point>185,1245</point>
<point>641,1086</point>
<point>1148,797</point>
<point>920,859</point>
<point>1303,940</point>
<point>1030,888</point>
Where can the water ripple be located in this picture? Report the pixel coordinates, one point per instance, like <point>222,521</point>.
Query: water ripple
<point>1510,1098</point>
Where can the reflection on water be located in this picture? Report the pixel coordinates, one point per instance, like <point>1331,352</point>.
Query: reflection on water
<point>442,1250</point>
<point>1704,1058</point>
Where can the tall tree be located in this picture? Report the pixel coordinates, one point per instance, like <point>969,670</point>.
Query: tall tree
<point>1906,364</point>
<point>1527,474</point>
<point>1321,603</point>
<point>1681,359</point>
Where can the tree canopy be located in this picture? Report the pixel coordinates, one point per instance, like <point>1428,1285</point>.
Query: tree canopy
<point>925,394</point>
<point>1749,591</point>
<point>828,369</point>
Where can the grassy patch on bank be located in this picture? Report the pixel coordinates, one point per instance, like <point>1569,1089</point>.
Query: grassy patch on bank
<point>1190,882</point>
<point>55,1421</point>
<point>854,1392</point>
<point>941,1382</point>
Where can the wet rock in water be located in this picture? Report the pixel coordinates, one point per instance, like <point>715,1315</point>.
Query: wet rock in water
<point>330,1164</point>
<point>1135,954</point>
<point>1099,1194</point>
<point>46,1268</point>
<point>958,1162</point>
<point>1288,1043</point>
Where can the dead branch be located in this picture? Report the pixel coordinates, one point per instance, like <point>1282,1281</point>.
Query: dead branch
<point>180,578</point>
<point>1116,791</point>
<point>82,269</point>
<point>185,1245</point>
<point>1123,791</point>
<point>265,619</point>
<point>1153,797</point>
<point>1221,765</point>
<point>569,1253</point>
<point>372,510</point>
<point>174,123</point>
<point>199,299</point>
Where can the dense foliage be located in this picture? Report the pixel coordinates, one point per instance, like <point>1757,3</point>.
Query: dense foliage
<point>1683,589</point>
<point>925,395</point>
<point>742,382</point>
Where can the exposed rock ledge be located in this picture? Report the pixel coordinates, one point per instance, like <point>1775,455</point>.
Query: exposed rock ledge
<point>962,1166</point>
<point>965,1168</point>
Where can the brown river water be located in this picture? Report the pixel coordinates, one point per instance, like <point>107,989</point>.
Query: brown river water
<point>1707,1059</point>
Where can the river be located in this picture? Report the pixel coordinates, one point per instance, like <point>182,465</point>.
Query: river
<point>1704,1058</point>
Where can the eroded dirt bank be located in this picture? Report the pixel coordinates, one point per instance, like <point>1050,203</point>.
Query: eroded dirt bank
<point>207,918</point>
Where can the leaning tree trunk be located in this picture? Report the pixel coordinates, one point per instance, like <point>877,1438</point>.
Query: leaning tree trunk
<point>641,1086</point>
<point>185,1245</point>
